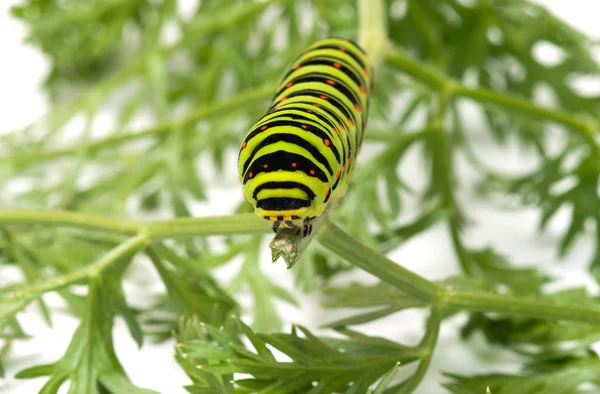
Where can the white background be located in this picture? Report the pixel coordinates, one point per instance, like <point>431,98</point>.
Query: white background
<point>513,233</point>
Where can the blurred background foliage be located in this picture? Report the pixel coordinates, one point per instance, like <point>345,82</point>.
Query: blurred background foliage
<point>150,99</point>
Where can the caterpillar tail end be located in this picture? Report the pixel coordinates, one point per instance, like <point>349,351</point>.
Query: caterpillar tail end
<point>290,243</point>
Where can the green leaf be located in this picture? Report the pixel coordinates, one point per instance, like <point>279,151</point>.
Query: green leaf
<point>36,371</point>
<point>313,359</point>
<point>493,268</point>
<point>9,308</point>
<point>90,357</point>
<point>190,292</point>
<point>365,317</point>
<point>386,380</point>
<point>116,382</point>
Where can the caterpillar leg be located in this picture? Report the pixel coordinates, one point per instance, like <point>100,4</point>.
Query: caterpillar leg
<point>306,228</point>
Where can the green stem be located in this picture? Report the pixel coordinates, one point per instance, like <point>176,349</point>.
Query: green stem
<point>86,221</point>
<point>372,32</point>
<point>446,151</point>
<point>482,302</point>
<point>333,238</point>
<point>424,73</point>
<point>114,140</point>
<point>161,229</point>
<point>126,248</point>
<point>427,346</point>
<point>461,252</point>
<point>357,254</point>
<point>436,80</point>
<point>361,256</point>
<point>509,102</point>
<point>246,223</point>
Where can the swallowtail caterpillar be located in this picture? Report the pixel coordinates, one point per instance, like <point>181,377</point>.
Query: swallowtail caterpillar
<point>298,158</point>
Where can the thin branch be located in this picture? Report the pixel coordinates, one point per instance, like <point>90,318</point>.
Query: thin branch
<point>510,306</point>
<point>86,221</point>
<point>25,294</point>
<point>363,257</point>
<point>586,125</point>
<point>372,33</point>
<point>423,72</point>
<point>427,346</point>
<point>242,98</point>
<point>246,223</point>
<point>436,80</point>
<point>160,229</point>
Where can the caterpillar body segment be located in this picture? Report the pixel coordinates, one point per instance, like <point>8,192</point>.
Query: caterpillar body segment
<point>298,158</point>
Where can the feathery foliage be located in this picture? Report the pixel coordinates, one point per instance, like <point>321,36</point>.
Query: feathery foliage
<point>182,86</point>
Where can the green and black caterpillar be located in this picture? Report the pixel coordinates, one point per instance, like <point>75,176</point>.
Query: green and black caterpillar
<point>299,157</point>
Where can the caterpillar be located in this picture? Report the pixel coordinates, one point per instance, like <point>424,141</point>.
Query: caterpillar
<point>298,158</point>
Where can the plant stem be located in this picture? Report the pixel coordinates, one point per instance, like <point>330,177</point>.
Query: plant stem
<point>243,98</point>
<point>161,229</point>
<point>484,302</point>
<point>509,102</point>
<point>361,256</point>
<point>126,248</point>
<point>357,254</point>
<point>446,152</point>
<point>372,33</point>
<point>436,80</point>
<point>86,221</point>
<point>333,238</point>
<point>424,73</point>
<point>427,346</point>
<point>246,223</point>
